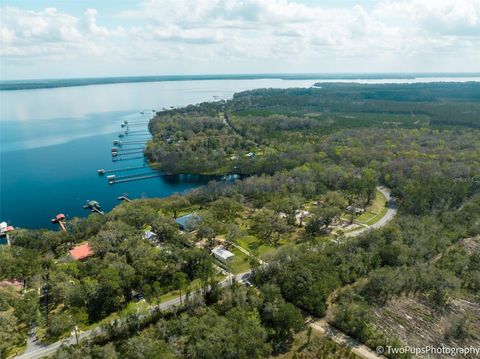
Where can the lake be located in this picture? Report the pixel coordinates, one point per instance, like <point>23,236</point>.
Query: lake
<point>53,141</point>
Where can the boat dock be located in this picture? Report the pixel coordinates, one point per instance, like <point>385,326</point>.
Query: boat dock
<point>146,134</point>
<point>127,149</point>
<point>115,159</point>
<point>134,124</point>
<point>114,177</point>
<point>102,171</point>
<point>121,143</point>
<point>116,154</point>
<point>120,180</point>
<point>94,206</point>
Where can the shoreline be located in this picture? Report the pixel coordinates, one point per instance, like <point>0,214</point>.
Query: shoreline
<point>34,84</point>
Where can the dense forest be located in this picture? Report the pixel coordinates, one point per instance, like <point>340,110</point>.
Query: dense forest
<point>310,163</point>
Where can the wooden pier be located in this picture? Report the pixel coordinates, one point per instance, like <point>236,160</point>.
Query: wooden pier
<point>124,198</point>
<point>116,159</point>
<point>115,181</point>
<point>146,134</point>
<point>60,220</point>
<point>121,143</point>
<point>127,149</point>
<point>114,177</point>
<point>94,206</point>
<point>116,154</point>
<point>137,125</point>
<point>102,171</point>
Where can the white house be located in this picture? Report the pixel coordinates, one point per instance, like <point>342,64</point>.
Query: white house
<point>222,254</point>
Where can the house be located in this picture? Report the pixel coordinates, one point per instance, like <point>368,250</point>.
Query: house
<point>250,155</point>
<point>188,222</point>
<point>152,237</point>
<point>16,284</point>
<point>356,210</point>
<point>81,252</point>
<point>149,235</point>
<point>222,254</point>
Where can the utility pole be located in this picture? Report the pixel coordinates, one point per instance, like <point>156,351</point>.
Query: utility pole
<point>75,328</point>
<point>46,289</point>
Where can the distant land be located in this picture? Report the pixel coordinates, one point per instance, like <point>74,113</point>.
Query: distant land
<point>12,85</point>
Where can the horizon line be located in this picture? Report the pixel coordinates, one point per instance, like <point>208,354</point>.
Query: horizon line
<point>26,84</point>
<point>273,74</point>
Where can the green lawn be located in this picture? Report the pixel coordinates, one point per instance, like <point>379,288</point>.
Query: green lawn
<point>365,217</point>
<point>240,263</point>
<point>254,246</point>
<point>375,211</point>
<point>378,202</point>
<point>377,217</point>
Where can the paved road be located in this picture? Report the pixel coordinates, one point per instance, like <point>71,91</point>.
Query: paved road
<point>391,212</point>
<point>343,339</point>
<point>38,351</point>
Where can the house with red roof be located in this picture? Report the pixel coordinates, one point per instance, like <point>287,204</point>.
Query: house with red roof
<point>81,252</point>
<point>16,284</point>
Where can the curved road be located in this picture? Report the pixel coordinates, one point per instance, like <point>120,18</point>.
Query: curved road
<point>391,212</point>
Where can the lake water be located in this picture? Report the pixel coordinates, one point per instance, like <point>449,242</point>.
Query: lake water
<point>53,141</point>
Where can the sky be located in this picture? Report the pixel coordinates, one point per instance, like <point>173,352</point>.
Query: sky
<point>86,38</point>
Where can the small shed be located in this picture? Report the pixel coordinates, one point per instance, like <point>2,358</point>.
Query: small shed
<point>81,252</point>
<point>188,222</point>
<point>222,254</point>
<point>149,235</point>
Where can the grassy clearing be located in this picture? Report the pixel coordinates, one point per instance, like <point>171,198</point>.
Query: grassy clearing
<point>366,217</point>
<point>375,211</point>
<point>240,263</point>
<point>255,246</point>
<point>193,286</point>
<point>378,202</point>
<point>377,217</point>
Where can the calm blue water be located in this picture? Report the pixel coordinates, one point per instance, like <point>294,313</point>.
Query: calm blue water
<point>53,141</point>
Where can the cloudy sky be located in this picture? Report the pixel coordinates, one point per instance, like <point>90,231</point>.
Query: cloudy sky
<point>51,39</point>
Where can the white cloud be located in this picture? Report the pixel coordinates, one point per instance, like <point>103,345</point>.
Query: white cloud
<point>394,35</point>
<point>52,34</point>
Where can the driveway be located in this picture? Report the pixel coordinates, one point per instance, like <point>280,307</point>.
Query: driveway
<point>391,212</point>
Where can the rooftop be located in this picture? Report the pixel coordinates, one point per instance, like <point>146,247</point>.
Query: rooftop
<point>189,220</point>
<point>81,251</point>
<point>14,283</point>
<point>222,253</point>
<point>148,234</point>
